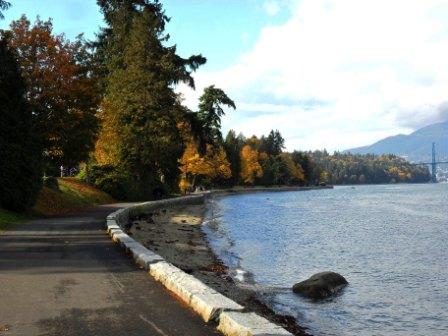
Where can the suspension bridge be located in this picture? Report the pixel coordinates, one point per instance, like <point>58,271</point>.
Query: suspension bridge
<point>434,163</point>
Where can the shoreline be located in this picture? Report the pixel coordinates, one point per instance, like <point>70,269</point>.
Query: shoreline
<point>176,233</point>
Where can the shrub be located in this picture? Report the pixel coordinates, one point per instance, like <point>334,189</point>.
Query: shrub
<point>120,184</point>
<point>109,179</point>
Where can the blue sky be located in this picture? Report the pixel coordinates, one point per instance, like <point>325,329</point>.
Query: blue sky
<point>331,74</point>
<point>220,30</point>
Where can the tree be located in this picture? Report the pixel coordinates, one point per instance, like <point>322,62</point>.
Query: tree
<point>20,151</point>
<point>212,165</point>
<point>139,97</point>
<point>210,113</point>
<point>250,167</point>
<point>295,173</point>
<point>107,145</point>
<point>273,143</point>
<point>233,145</point>
<point>343,168</point>
<point>309,167</point>
<point>61,91</point>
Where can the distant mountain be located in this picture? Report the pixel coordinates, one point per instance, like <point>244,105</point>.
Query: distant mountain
<point>416,147</point>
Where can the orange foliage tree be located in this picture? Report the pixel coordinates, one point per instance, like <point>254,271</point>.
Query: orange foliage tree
<point>62,94</point>
<point>250,167</point>
<point>213,164</point>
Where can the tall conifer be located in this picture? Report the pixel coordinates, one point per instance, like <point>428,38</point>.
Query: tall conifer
<point>141,72</point>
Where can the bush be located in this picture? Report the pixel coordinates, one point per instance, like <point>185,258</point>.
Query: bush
<point>120,184</point>
<point>109,179</point>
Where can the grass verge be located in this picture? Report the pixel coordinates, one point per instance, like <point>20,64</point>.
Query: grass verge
<point>73,195</point>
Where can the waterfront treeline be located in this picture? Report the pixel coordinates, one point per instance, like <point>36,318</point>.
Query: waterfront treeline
<point>346,168</point>
<point>107,110</point>
<point>263,162</point>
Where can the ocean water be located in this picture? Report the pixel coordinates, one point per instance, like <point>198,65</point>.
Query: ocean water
<point>389,241</point>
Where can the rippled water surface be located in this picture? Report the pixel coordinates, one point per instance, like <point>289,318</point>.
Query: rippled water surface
<point>389,241</point>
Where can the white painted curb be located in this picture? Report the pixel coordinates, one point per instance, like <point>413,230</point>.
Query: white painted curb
<point>207,302</point>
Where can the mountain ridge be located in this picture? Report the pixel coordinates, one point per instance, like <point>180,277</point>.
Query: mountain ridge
<point>416,147</point>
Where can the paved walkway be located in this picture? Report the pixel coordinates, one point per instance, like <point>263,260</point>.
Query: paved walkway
<point>64,276</point>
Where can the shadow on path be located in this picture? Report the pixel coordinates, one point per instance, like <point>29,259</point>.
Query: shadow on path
<point>64,276</point>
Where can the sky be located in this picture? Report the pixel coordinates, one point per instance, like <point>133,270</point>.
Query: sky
<point>331,74</point>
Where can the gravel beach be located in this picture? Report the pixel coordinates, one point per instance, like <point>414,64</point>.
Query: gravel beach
<point>176,234</point>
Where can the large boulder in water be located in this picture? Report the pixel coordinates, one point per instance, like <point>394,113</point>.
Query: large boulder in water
<point>320,285</point>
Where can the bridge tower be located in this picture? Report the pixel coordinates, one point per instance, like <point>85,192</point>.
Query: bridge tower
<point>433,164</point>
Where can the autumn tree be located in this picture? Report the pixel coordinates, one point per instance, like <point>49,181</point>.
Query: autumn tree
<point>20,151</point>
<point>346,168</point>
<point>212,165</point>
<point>61,92</point>
<point>250,167</point>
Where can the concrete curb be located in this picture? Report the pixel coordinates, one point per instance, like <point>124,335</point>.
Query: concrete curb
<point>207,302</point>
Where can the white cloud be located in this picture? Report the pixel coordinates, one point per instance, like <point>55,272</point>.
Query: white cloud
<point>341,73</point>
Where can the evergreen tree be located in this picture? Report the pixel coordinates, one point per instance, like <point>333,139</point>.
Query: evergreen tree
<point>140,74</point>
<point>233,145</point>
<point>302,159</point>
<point>211,111</point>
<point>273,143</point>
<point>20,151</point>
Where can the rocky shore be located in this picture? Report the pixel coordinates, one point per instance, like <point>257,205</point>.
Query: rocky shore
<point>176,234</point>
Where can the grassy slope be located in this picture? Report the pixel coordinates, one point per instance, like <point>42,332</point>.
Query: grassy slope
<point>73,195</point>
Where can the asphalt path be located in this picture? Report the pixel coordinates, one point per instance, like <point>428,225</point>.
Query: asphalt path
<point>64,276</point>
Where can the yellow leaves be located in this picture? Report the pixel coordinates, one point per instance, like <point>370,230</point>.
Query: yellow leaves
<point>222,165</point>
<point>107,145</point>
<point>250,167</point>
<point>184,185</point>
<point>399,173</point>
<point>192,163</point>
<point>212,165</point>
<point>394,171</point>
